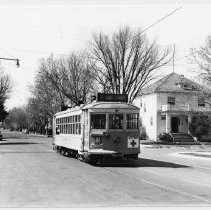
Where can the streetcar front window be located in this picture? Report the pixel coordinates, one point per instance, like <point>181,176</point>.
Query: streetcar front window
<point>98,121</point>
<point>116,121</point>
<point>132,121</point>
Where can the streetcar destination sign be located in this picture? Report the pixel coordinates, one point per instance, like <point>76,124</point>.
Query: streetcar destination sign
<point>112,97</point>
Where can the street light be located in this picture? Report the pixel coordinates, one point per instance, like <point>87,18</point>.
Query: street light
<point>12,59</point>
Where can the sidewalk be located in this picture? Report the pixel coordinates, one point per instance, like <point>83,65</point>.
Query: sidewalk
<point>34,134</point>
<point>150,142</point>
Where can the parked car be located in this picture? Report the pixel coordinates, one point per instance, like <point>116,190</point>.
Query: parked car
<point>1,137</point>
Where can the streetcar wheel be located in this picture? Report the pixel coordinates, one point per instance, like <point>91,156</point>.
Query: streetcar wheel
<point>57,149</point>
<point>99,162</point>
<point>62,151</point>
<point>77,156</point>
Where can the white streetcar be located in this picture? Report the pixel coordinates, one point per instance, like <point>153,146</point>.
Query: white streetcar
<point>106,128</point>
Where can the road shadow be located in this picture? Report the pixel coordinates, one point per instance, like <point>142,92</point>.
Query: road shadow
<point>143,162</point>
<point>17,143</point>
<point>15,137</point>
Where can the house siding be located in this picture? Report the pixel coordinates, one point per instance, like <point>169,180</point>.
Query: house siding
<point>168,117</point>
<point>153,104</point>
<point>149,118</point>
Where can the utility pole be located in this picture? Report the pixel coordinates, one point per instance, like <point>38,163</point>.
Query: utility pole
<point>12,59</point>
<point>173,56</point>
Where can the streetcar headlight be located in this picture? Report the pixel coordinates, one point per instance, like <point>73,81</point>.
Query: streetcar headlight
<point>116,139</point>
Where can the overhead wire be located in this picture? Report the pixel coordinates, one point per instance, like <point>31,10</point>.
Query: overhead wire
<point>43,30</point>
<point>161,19</point>
<point>38,52</point>
<point>63,36</point>
<point>9,54</point>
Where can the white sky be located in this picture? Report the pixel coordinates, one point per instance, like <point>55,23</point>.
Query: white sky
<point>34,29</point>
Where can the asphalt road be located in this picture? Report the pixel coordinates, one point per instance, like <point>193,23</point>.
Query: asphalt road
<point>33,175</point>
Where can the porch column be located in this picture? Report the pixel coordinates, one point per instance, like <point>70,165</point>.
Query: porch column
<point>189,121</point>
<point>168,124</point>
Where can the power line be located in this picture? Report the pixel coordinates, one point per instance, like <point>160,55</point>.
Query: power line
<point>44,30</point>
<point>9,54</point>
<point>67,35</point>
<point>43,52</point>
<point>38,52</point>
<point>161,19</point>
<point>185,56</point>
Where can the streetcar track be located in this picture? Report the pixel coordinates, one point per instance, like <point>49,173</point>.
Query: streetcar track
<point>158,185</point>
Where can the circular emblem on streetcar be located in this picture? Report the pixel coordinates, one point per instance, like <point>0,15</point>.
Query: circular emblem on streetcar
<point>116,139</point>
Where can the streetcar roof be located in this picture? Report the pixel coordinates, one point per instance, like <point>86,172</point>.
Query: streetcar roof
<point>99,105</point>
<point>110,105</point>
<point>75,109</point>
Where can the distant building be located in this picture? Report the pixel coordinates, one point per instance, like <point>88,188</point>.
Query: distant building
<point>169,104</point>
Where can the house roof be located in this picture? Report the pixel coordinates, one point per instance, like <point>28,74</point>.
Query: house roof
<point>173,83</point>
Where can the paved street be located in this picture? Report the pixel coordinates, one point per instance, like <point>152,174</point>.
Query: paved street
<point>33,175</point>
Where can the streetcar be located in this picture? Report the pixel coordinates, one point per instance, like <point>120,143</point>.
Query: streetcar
<point>103,130</point>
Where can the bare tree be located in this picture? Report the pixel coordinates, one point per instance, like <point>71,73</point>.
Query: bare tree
<point>17,119</point>
<point>44,91</point>
<point>37,116</point>
<point>72,77</point>
<point>45,99</point>
<point>5,86</point>
<point>202,57</point>
<point>125,62</point>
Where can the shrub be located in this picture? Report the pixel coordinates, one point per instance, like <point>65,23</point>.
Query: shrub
<point>143,134</point>
<point>200,127</point>
<point>165,137</point>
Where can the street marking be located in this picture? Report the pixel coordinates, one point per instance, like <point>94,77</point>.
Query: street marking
<point>161,186</point>
<point>187,180</point>
<point>184,155</point>
<point>201,167</point>
<point>189,164</point>
<point>192,157</point>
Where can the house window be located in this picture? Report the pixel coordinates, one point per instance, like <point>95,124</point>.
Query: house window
<point>201,101</point>
<point>151,121</point>
<point>171,100</point>
<point>163,117</point>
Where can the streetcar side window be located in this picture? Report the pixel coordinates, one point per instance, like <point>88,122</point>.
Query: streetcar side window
<point>98,121</point>
<point>115,121</point>
<point>132,121</point>
<point>69,125</point>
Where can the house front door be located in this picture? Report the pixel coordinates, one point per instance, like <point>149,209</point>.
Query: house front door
<point>174,124</point>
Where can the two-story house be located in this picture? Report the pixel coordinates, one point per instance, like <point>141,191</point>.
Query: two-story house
<point>169,104</point>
